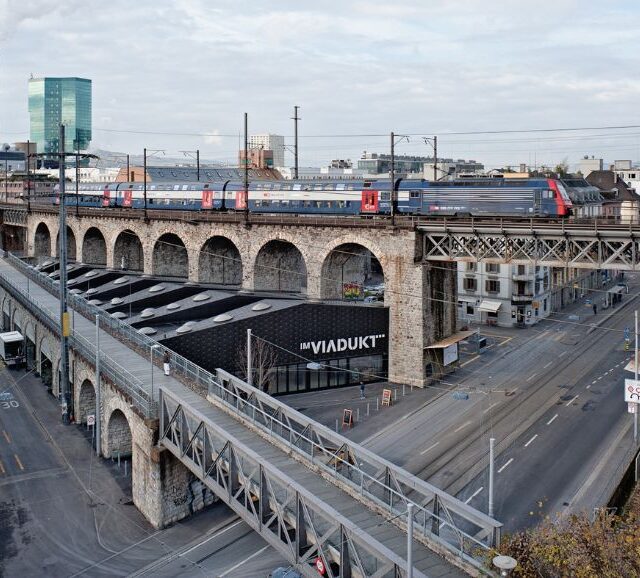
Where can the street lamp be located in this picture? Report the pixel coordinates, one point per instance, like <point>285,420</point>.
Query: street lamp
<point>151,349</point>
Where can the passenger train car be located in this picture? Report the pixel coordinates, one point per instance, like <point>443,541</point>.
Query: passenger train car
<point>534,197</point>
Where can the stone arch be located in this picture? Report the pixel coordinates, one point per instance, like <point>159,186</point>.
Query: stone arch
<point>170,257</point>
<point>119,439</point>
<point>42,241</point>
<point>128,252</point>
<point>220,262</point>
<point>46,358</point>
<point>71,244</point>
<point>346,269</point>
<point>86,401</point>
<point>94,247</point>
<point>280,266</point>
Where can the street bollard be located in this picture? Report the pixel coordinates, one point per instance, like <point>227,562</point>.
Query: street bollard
<point>395,394</point>
<point>118,459</point>
<point>337,420</point>
<point>125,468</point>
<point>358,415</point>
<point>377,404</point>
<point>367,409</point>
<point>403,390</point>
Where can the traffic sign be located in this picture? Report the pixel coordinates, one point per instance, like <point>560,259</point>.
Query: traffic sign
<point>320,566</point>
<point>632,391</point>
<point>631,407</point>
<point>627,333</point>
<point>91,419</point>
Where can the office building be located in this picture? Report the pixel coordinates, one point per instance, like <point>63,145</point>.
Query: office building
<point>60,100</point>
<point>269,142</point>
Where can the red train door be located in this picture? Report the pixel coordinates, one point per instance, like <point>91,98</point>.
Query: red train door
<point>241,200</point>
<point>207,199</point>
<point>369,202</point>
<point>128,196</point>
<point>106,195</point>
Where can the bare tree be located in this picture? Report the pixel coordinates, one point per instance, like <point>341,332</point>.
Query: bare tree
<point>263,361</point>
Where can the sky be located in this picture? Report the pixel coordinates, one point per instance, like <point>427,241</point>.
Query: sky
<point>180,75</point>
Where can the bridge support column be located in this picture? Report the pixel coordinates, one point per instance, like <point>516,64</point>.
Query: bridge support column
<point>422,300</point>
<point>164,490</point>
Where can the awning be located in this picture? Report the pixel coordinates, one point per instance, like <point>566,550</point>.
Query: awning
<point>447,341</point>
<point>618,289</point>
<point>491,306</point>
<point>466,299</point>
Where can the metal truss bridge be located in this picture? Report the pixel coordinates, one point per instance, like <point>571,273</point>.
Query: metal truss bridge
<point>582,246</point>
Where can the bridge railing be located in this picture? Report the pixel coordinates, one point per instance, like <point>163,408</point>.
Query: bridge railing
<point>439,517</point>
<point>188,372</point>
<point>111,369</point>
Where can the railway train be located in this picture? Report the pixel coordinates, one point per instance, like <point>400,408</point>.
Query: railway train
<point>533,197</point>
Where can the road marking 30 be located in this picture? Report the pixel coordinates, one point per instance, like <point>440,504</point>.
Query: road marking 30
<point>505,465</point>
<point>572,400</point>
<point>18,461</point>
<point>474,495</point>
<point>551,420</point>
<point>429,448</point>
<point>534,437</point>
<point>464,425</point>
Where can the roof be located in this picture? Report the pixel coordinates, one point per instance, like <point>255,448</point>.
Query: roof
<point>452,339</point>
<point>11,336</point>
<point>165,174</point>
<point>612,187</point>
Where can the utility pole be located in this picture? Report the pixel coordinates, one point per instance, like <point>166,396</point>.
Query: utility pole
<point>65,398</point>
<point>77,181</point>
<point>393,178</point>
<point>491,459</point>
<point>249,368</point>
<point>144,176</point>
<point>295,119</point>
<point>28,177</point>
<point>635,363</point>
<point>128,173</point>
<point>98,392</point>
<point>198,164</point>
<point>435,158</point>
<point>246,168</point>
<point>410,540</point>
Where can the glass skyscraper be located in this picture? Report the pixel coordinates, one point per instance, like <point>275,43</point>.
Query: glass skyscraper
<point>60,100</point>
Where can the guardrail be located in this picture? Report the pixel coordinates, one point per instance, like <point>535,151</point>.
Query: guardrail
<point>439,518</point>
<point>110,368</point>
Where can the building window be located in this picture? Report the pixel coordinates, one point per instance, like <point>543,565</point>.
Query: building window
<point>471,267</point>
<point>492,268</point>
<point>492,286</point>
<point>469,284</point>
<point>470,310</point>
<point>521,270</point>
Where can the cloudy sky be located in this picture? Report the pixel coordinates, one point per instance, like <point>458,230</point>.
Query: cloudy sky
<point>357,69</point>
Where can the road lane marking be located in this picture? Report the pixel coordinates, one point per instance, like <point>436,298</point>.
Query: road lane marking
<point>548,365</point>
<point>18,461</point>
<point>243,561</point>
<point>214,535</point>
<point>490,407</point>
<point>593,382</point>
<point>6,436</point>
<point>505,465</point>
<point>563,353</point>
<point>534,437</point>
<point>572,400</point>
<point>429,448</point>
<point>531,376</point>
<point>589,386</point>
<point>474,495</point>
<point>551,420</point>
<point>464,425</point>
<point>469,361</point>
<point>2,470</point>
<point>599,378</point>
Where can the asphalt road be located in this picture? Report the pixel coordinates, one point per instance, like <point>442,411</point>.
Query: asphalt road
<point>63,512</point>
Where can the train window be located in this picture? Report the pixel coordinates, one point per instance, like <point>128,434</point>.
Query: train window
<point>351,188</point>
<point>258,203</point>
<point>385,196</point>
<point>317,188</point>
<point>366,185</point>
<point>329,187</point>
<point>297,187</point>
<point>285,188</point>
<point>341,204</point>
<point>414,194</point>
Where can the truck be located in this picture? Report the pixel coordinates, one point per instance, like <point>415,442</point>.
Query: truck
<point>12,347</point>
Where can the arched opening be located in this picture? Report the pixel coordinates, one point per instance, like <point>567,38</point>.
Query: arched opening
<point>46,371</point>
<point>42,241</point>
<point>280,266</point>
<point>94,247</point>
<point>119,436</point>
<point>71,244</point>
<point>170,257</point>
<point>29,349</point>
<point>128,252</point>
<point>86,401</point>
<point>220,262</point>
<point>352,272</point>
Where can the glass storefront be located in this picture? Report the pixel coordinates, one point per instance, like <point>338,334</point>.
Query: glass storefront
<point>333,373</point>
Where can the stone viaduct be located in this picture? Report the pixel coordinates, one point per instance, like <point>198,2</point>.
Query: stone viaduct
<point>162,488</point>
<point>306,259</point>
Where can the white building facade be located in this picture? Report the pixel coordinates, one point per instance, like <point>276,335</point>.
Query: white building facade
<point>503,295</point>
<point>272,142</point>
